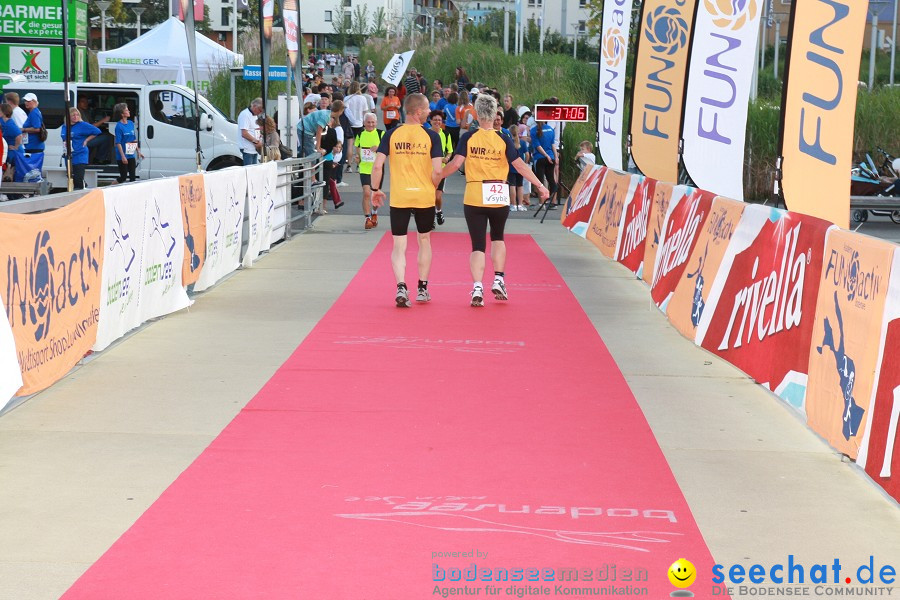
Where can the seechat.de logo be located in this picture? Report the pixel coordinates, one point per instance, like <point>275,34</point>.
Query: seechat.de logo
<point>731,14</point>
<point>613,46</point>
<point>666,30</point>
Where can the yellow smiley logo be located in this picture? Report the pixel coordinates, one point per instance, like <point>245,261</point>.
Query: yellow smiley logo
<point>682,573</point>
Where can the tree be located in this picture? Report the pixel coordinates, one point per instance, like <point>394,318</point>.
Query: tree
<point>594,21</point>
<point>359,25</point>
<point>379,23</point>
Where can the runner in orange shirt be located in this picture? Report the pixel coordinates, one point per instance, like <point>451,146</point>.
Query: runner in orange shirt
<point>390,108</point>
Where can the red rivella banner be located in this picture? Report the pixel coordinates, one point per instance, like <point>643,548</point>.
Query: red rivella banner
<point>763,300</point>
<point>634,227</point>
<point>687,215</point>
<point>691,295</point>
<point>615,191</point>
<point>580,205</point>
<point>661,195</point>
<point>842,355</point>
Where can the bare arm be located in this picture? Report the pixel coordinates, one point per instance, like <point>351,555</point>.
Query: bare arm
<point>453,165</point>
<point>436,173</point>
<point>378,195</point>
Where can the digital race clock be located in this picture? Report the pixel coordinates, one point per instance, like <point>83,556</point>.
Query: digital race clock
<point>561,112</point>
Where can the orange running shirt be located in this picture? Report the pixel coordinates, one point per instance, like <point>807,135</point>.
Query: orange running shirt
<point>488,156</point>
<point>409,149</point>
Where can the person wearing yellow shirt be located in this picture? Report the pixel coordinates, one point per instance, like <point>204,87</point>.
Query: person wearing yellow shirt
<point>415,158</point>
<point>488,155</point>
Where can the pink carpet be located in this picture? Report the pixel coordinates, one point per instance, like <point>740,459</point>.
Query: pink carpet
<point>392,435</point>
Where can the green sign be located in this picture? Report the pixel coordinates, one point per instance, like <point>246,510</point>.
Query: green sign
<point>40,63</point>
<point>42,19</point>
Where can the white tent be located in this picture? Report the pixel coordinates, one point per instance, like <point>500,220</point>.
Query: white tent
<point>157,56</point>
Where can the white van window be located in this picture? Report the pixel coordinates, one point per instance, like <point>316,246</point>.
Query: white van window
<point>173,108</point>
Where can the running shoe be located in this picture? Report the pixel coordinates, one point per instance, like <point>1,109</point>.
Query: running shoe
<point>402,298</point>
<point>423,295</point>
<point>477,296</point>
<point>369,223</point>
<point>499,289</point>
<point>440,218</point>
<point>342,184</point>
<point>375,220</point>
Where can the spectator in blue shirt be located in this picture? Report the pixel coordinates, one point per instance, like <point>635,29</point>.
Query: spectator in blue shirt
<point>32,125</point>
<point>127,146</point>
<point>82,134</point>
<point>311,127</point>
<point>12,135</point>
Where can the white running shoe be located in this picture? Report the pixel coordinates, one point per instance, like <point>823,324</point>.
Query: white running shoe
<point>402,298</point>
<point>499,289</point>
<point>477,296</point>
<point>423,295</point>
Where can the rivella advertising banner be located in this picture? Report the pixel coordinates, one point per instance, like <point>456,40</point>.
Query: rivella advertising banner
<point>123,261</point>
<point>613,66</point>
<point>688,212</point>
<point>659,208</point>
<point>819,107</point>
<point>161,288</point>
<point>658,95</point>
<point>691,295</point>
<point>226,193</point>
<point>616,191</point>
<point>10,375</point>
<point>51,287</point>
<point>580,206</point>
<point>261,181</point>
<point>634,226</point>
<point>761,308</point>
<point>843,353</point>
<point>718,92</point>
<point>193,210</point>
<point>575,191</point>
<point>879,453</point>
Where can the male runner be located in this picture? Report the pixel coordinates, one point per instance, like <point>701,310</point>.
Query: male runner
<point>415,157</point>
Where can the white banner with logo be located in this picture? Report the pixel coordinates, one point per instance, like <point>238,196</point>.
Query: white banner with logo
<point>718,92</point>
<point>261,181</point>
<point>161,291</point>
<point>396,67</point>
<point>613,62</point>
<point>226,193</point>
<point>10,374</point>
<point>280,214</point>
<point>123,255</point>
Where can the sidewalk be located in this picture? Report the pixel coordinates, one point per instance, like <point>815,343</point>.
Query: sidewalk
<point>81,461</point>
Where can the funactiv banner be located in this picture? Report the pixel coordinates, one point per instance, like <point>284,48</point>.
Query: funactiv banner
<point>280,214</point>
<point>819,106</point>
<point>843,354</point>
<point>123,260</point>
<point>260,209</point>
<point>879,453</point>
<point>10,374</point>
<point>193,211</point>
<point>718,92</point>
<point>613,67</point>
<point>687,214</point>
<point>761,309</point>
<point>658,94</point>
<point>51,287</point>
<point>226,193</point>
<point>580,206</point>
<point>616,191</point>
<point>161,289</point>
<point>634,227</point>
<point>659,207</point>
<point>692,292</point>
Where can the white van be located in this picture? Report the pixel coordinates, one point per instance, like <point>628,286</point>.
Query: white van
<point>164,122</point>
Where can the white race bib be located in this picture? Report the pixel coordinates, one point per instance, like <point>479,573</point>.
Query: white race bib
<point>130,148</point>
<point>390,114</point>
<point>495,193</point>
<point>368,155</point>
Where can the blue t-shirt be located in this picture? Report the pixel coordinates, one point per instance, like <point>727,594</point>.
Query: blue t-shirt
<point>545,142</point>
<point>10,132</point>
<point>441,103</point>
<point>309,124</point>
<point>523,149</point>
<point>34,119</point>
<point>450,115</point>
<point>80,132</point>
<point>124,135</point>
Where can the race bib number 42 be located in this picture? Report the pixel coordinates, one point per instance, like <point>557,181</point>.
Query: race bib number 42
<point>495,193</point>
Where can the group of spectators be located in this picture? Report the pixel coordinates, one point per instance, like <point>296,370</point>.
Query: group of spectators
<point>23,131</point>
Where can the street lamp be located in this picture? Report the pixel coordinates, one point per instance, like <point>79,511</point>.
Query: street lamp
<point>103,5</point>
<point>138,11</point>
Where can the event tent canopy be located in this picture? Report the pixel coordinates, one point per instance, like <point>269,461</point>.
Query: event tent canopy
<point>162,51</point>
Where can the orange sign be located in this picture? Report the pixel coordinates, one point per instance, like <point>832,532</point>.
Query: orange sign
<point>692,292</point>
<point>51,287</point>
<point>193,212</point>
<point>820,107</point>
<point>615,190</point>
<point>659,76</point>
<point>844,349</point>
<point>662,195</point>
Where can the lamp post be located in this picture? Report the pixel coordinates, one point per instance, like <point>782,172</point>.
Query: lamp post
<point>138,11</point>
<point>103,5</point>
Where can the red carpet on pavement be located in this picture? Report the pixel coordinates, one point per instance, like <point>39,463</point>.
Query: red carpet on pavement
<point>393,438</point>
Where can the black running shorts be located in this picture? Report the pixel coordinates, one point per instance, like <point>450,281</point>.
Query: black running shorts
<point>400,219</point>
<point>478,217</point>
